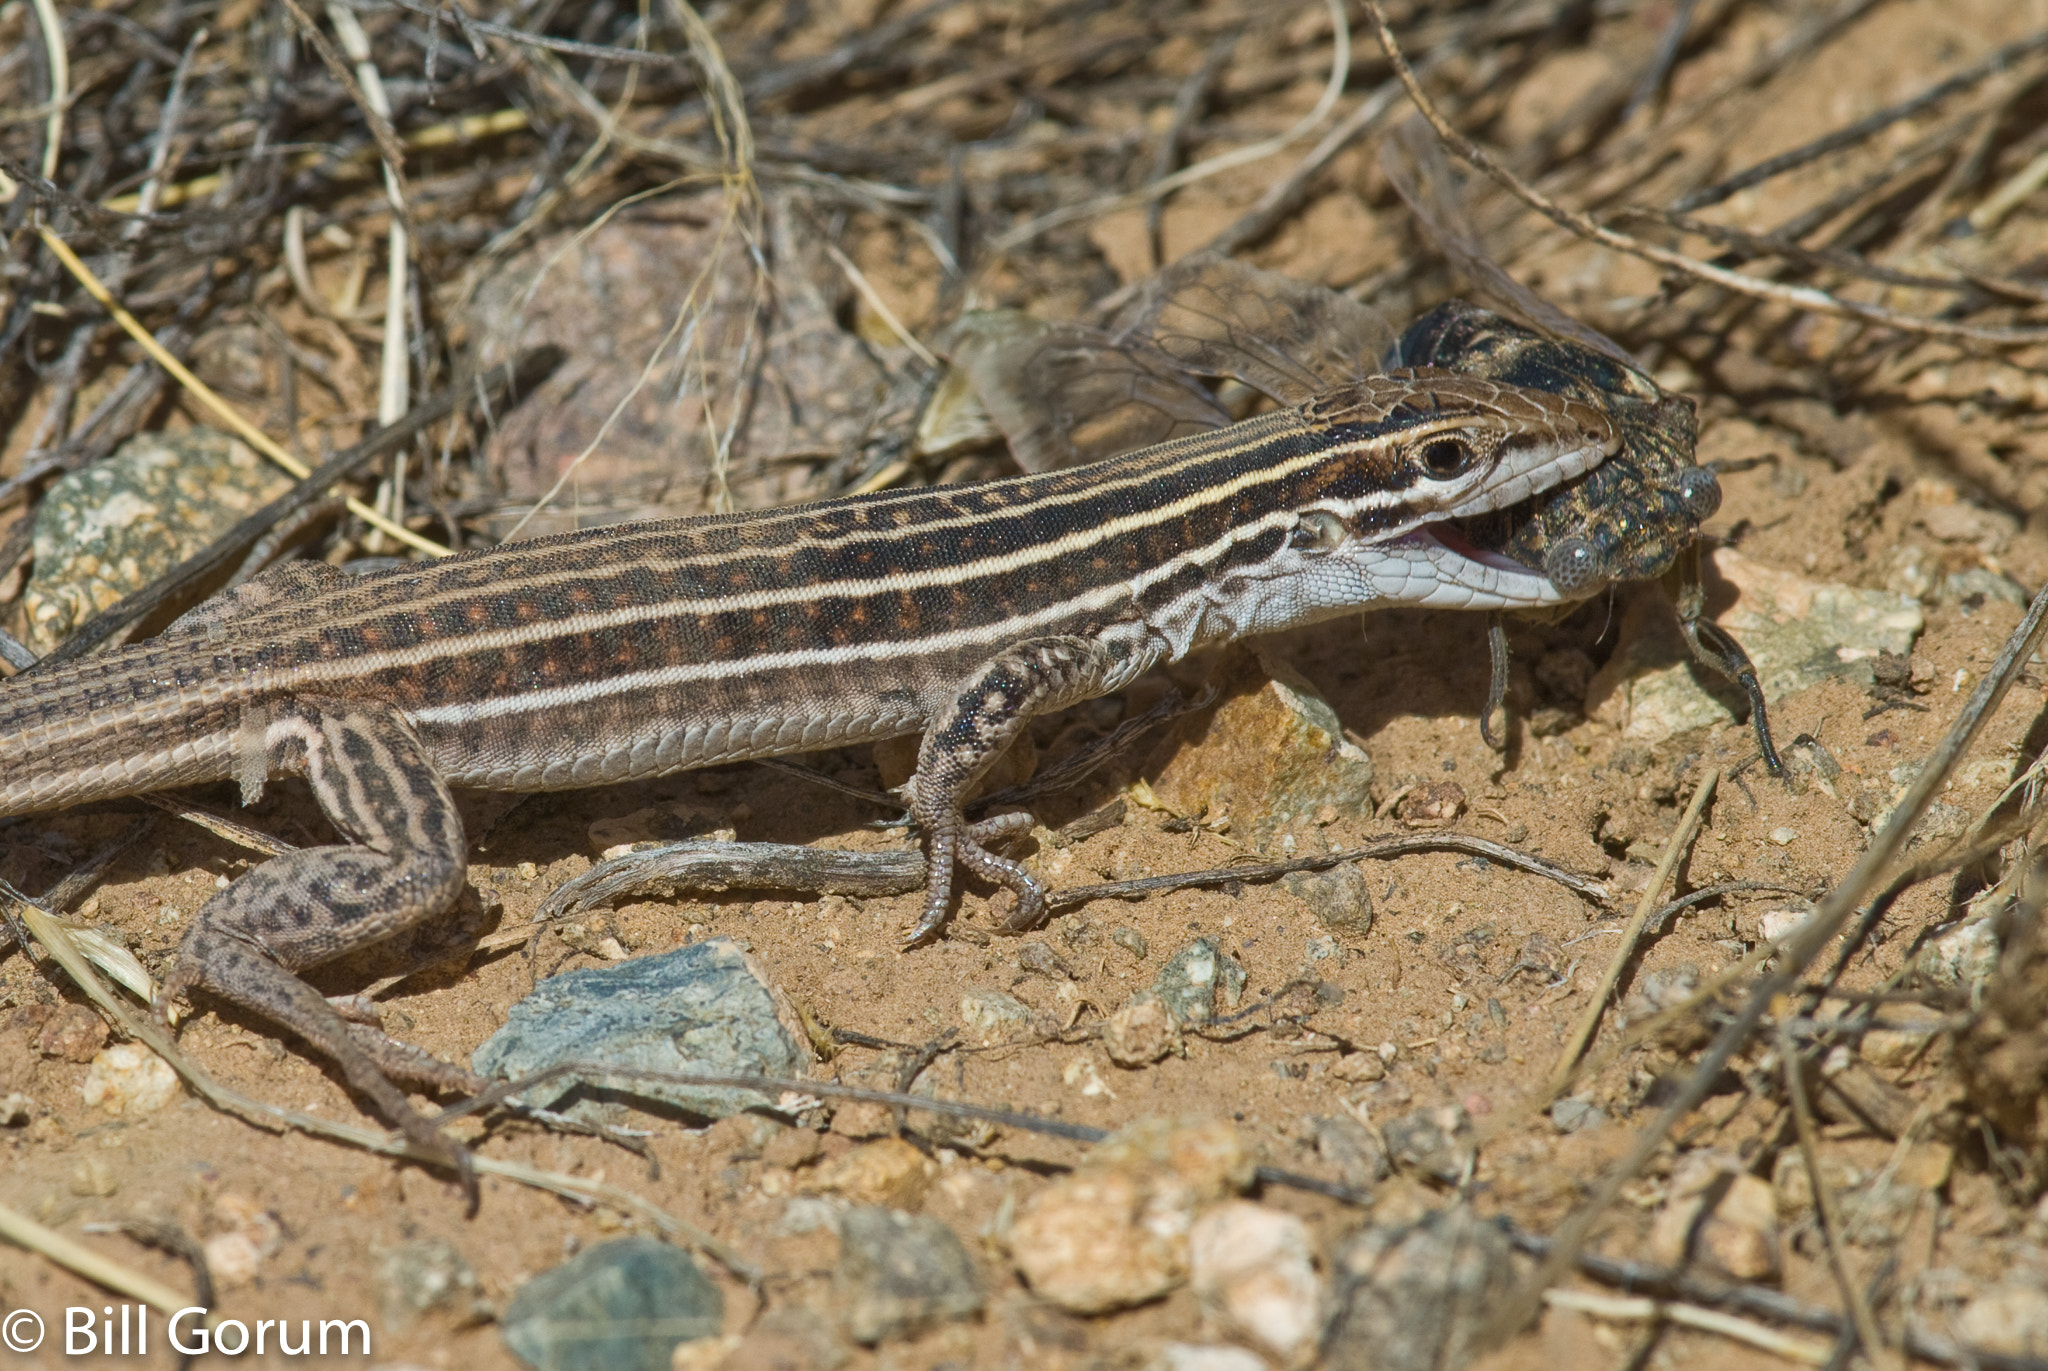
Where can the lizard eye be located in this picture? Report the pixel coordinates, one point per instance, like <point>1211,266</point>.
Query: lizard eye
<point>1445,456</point>
<point>1318,529</point>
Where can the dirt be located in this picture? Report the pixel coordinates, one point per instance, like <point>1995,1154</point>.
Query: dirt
<point>1928,455</point>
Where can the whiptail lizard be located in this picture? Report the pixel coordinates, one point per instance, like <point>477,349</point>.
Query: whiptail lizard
<point>641,650</point>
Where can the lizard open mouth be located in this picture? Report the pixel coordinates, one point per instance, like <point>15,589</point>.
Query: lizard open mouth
<point>1438,565</point>
<point>1452,534</point>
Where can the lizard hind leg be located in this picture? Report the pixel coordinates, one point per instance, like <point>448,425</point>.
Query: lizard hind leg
<point>998,700</point>
<point>405,862</point>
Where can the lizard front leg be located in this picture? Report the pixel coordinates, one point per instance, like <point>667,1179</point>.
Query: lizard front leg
<point>999,699</point>
<point>406,861</point>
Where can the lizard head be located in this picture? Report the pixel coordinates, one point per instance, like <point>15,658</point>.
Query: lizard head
<point>1418,454</point>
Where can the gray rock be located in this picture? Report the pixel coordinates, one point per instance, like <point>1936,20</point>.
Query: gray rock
<point>900,1274</point>
<point>1963,957</point>
<point>1417,1298</point>
<point>1341,898</point>
<point>1435,1143</point>
<point>1354,1150</point>
<point>120,524</point>
<point>620,1306</point>
<point>1797,631</point>
<point>705,1007</point>
<point>421,1276</point>
<point>1192,979</point>
<point>1576,1114</point>
<point>1977,586</point>
<point>2011,1319</point>
<point>991,1015</point>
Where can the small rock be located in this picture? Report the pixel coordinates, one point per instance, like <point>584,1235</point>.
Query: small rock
<point>232,1259</point>
<point>1738,1238</point>
<point>1974,586</point>
<point>900,1274</point>
<point>74,1034</point>
<point>1340,898</point>
<point>1087,1244</point>
<point>247,1233</point>
<point>1926,1167</point>
<point>1963,957</point>
<point>1251,1266</point>
<point>119,524</point>
<point>1904,1036</point>
<point>1131,941</point>
<point>1797,631</point>
<point>1575,1114</point>
<point>1114,1232</point>
<point>1417,1297</point>
<point>788,1337</point>
<point>1432,805</point>
<point>705,1007</point>
<point>618,1306</point>
<point>128,1079</point>
<point>418,1277</point>
<point>595,934</point>
<point>1793,1186</point>
<point>1188,1356</point>
<point>1142,1032</point>
<point>1942,820</point>
<point>673,822</point>
<point>1354,1150</point>
<point>991,1016</point>
<point>1878,1213</point>
<point>1775,924</point>
<point>1360,1067</point>
<point>1192,978</point>
<point>1038,959</point>
<point>15,1110</point>
<point>888,1171</point>
<point>1784,837</point>
<point>2010,1319</point>
<point>1434,1143</point>
<point>1272,753</point>
<point>1659,991</point>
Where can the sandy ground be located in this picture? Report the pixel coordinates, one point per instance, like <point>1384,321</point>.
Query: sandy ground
<point>1431,977</point>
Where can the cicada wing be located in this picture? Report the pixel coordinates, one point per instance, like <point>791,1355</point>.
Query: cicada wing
<point>1415,165</point>
<point>1063,394</point>
<point>1289,339</point>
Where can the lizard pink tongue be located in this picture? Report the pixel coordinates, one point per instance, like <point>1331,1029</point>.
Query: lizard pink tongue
<point>1452,537</point>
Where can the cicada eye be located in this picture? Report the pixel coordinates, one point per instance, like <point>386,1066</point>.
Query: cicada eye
<point>1446,456</point>
<point>1573,566</point>
<point>1698,492</point>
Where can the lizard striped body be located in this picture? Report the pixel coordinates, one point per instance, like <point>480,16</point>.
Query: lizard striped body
<point>637,651</point>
